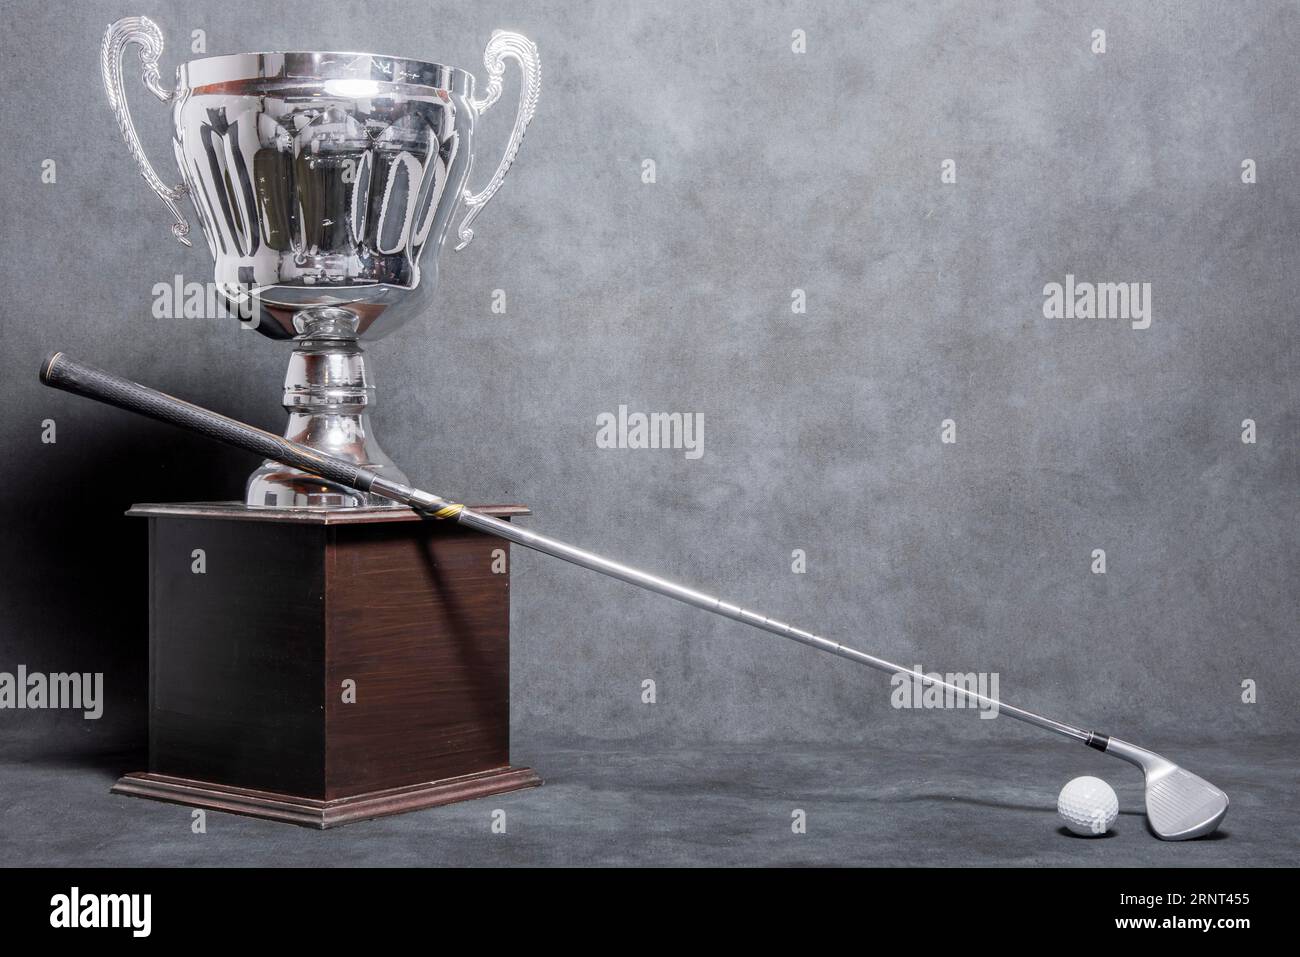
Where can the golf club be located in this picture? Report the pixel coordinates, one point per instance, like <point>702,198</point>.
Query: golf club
<point>1179,804</point>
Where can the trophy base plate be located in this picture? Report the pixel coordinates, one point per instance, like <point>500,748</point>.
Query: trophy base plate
<point>313,813</point>
<point>275,486</point>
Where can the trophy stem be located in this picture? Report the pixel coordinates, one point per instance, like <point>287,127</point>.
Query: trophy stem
<point>327,393</point>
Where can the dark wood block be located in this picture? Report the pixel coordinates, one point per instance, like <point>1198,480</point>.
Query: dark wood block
<point>248,662</point>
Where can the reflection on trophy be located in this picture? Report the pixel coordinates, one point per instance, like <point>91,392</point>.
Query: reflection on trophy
<point>324,184</point>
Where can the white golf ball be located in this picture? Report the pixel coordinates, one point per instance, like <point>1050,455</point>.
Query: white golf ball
<point>1088,806</point>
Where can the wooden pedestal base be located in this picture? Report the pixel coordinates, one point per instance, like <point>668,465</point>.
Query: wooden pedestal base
<point>322,814</point>
<point>325,667</point>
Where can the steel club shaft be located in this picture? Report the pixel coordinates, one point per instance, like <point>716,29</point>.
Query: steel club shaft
<point>63,372</point>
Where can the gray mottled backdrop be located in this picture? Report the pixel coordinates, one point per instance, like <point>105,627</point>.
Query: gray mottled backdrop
<point>775,171</point>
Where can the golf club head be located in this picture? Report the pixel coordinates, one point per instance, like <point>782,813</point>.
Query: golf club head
<point>1180,805</point>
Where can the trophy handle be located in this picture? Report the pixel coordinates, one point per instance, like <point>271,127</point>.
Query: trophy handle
<point>503,46</point>
<point>145,33</point>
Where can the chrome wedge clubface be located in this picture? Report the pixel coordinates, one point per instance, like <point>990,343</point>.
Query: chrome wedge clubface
<point>1180,805</point>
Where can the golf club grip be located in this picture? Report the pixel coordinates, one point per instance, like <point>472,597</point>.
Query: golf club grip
<point>63,372</point>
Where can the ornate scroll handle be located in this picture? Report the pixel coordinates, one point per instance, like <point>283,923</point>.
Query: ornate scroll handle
<point>145,33</point>
<point>501,47</point>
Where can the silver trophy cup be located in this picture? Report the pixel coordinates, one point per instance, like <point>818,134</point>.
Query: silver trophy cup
<point>325,184</point>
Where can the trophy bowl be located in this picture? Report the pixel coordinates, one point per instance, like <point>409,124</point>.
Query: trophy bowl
<point>325,184</point>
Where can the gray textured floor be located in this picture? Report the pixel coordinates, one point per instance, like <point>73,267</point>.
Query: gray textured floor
<point>991,804</point>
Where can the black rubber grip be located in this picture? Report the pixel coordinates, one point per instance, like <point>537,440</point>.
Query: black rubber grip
<point>63,372</point>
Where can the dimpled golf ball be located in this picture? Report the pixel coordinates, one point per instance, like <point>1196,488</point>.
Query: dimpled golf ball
<point>1088,806</point>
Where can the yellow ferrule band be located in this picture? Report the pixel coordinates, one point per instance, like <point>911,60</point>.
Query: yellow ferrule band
<point>450,511</point>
